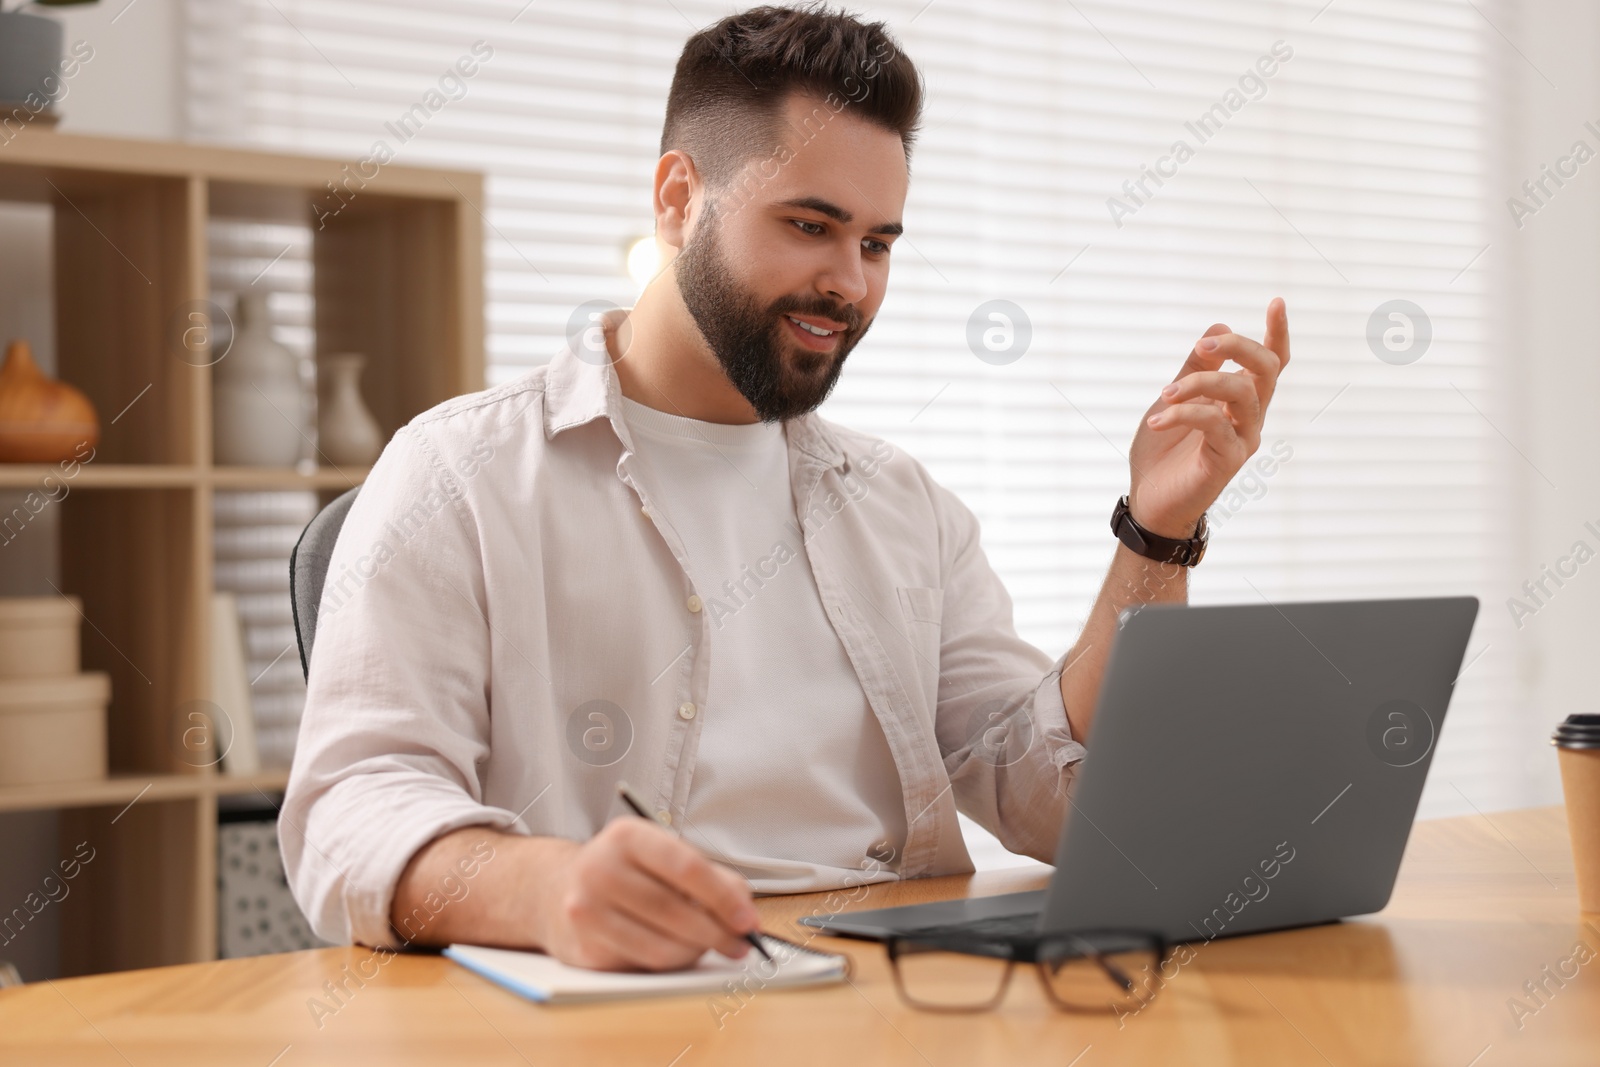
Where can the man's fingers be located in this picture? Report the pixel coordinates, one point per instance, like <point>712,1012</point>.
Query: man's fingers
<point>1253,356</point>
<point>1277,335</point>
<point>681,866</point>
<point>628,942</point>
<point>1209,419</point>
<point>638,896</point>
<point>1196,361</point>
<point>1234,390</point>
<point>663,909</point>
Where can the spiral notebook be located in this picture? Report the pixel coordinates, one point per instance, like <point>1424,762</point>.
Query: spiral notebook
<point>548,981</point>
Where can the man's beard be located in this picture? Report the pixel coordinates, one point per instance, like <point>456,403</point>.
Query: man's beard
<point>780,379</point>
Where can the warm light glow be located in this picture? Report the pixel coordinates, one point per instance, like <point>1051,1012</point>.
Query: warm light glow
<point>643,262</point>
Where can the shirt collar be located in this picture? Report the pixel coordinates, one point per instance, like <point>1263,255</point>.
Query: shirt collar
<point>579,389</point>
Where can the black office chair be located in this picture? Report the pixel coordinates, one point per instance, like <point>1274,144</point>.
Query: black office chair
<point>308,570</point>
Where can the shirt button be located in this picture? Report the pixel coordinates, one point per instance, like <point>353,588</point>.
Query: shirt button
<point>694,603</point>
<point>686,710</point>
<point>644,511</point>
<point>664,817</point>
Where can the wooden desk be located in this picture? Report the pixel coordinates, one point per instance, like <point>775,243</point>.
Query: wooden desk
<point>1483,906</point>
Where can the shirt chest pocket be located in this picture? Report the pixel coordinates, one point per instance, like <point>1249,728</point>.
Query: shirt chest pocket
<point>923,610</point>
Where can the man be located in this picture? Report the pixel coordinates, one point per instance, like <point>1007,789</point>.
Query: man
<point>651,561</point>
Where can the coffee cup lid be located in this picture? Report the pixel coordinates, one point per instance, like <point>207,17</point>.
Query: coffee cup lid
<point>1581,730</point>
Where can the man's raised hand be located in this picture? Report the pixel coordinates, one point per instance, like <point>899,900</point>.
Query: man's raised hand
<point>1207,422</point>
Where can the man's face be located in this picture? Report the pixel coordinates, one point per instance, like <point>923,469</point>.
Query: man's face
<point>798,243</point>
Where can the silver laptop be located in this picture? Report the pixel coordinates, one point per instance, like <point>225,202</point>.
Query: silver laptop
<point>1252,767</point>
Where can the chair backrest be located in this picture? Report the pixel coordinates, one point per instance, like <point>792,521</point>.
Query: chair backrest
<point>308,570</point>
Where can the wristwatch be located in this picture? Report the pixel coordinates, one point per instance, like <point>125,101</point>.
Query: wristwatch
<point>1153,546</point>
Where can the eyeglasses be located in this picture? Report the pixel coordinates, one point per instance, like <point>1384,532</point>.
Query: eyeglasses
<point>1089,971</point>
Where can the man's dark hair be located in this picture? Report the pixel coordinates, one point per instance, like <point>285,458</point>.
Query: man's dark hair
<point>734,77</point>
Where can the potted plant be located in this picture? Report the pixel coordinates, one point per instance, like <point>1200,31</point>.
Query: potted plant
<point>31,67</point>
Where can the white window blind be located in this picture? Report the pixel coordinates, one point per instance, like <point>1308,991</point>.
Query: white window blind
<point>1357,172</point>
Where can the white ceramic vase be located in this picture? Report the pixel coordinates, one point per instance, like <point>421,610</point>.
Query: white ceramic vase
<point>347,434</point>
<point>257,402</point>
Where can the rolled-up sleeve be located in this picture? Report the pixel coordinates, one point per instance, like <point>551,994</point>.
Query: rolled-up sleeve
<point>396,718</point>
<point>1001,723</point>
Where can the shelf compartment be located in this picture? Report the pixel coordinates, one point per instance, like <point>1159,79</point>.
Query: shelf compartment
<point>135,558</point>
<point>123,281</point>
<point>142,900</point>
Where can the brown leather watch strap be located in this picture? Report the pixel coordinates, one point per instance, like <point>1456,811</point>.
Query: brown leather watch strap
<point>1187,552</point>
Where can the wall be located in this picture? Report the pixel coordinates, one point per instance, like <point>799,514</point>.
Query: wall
<point>133,86</point>
<point>1552,360</point>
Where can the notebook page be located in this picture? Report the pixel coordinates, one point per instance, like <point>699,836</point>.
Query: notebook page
<point>540,977</point>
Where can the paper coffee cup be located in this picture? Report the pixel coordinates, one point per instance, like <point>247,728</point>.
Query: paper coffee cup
<point>1577,742</point>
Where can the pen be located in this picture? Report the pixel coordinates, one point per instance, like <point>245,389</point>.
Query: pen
<point>639,809</point>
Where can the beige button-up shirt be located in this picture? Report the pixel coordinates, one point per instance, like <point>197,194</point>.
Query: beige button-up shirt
<point>506,632</point>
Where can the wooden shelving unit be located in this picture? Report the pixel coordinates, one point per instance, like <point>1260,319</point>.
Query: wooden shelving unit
<point>397,274</point>
<point>125,789</point>
<point>160,476</point>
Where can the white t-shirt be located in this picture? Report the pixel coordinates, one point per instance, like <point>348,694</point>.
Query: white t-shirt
<point>787,728</point>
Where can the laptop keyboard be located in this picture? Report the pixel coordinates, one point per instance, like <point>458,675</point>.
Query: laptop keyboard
<point>1002,926</point>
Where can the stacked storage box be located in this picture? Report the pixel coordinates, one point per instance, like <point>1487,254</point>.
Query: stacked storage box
<point>52,715</point>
